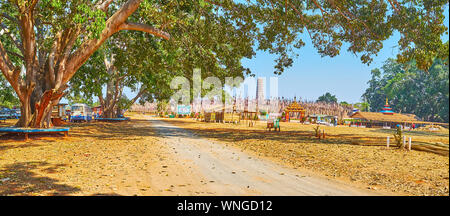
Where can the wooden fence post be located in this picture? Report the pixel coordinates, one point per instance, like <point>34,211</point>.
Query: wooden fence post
<point>409,142</point>
<point>404,141</point>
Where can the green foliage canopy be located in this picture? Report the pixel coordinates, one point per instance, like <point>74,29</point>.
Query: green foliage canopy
<point>7,96</point>
<point>327,98</point>
<point>411,90</point>
<point>52,39</point>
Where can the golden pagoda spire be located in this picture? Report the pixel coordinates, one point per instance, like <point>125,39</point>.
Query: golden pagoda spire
<point>387,101</point>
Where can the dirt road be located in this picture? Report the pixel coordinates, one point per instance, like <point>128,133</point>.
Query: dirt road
<point>224,170</point>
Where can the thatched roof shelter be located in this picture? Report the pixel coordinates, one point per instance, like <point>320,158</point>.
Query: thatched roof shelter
<point>394,118</point>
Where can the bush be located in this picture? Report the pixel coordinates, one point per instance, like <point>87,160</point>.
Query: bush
<point>398,137</point>
<point>317,130</point>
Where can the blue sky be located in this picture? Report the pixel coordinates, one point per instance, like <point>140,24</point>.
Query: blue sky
<point>311,75</point>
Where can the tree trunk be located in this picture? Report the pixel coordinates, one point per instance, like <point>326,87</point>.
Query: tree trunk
<point>36,107</point>
<point>110,96</point>
<point>118,111</point>
<point>48,73</point>
<point>26,115</point>
<point>111,89</point>
<point>109,113</point>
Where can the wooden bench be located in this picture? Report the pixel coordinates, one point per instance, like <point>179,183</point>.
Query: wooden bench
<point>27,131</point>
<point>275,124</point>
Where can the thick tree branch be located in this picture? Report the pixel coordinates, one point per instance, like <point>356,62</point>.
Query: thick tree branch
<point>139,95</point>
<point>51,58</point>
<point>99,94</point>
<point>12,37</point>
<point>11,73</point>
<point>393,6</point>
<point>26,20</point>
<point>301,17</point>
<point>101,100</point>
<point>82,54</point>
<point>15,54</point>
<point>145,28</point>
<point>322,11</point>
<point>320,7</point>
<point>351,18</point>
<point>67,46</point>
<point>117,91</point>
<point>113,25</point>
<point>32,5</point>
<point>104,5</point>
<point>214,3</point>
<point>5,63</point>
<point>10,18</point>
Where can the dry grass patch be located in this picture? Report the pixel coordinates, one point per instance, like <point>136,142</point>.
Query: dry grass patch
<point>351,154</point>
<point>97,159</point>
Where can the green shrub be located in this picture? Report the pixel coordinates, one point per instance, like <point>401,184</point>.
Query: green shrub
<point>398,137</point>
<point>317,130</point>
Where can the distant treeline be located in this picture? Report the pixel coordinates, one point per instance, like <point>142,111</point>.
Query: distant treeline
<point>410,90</point>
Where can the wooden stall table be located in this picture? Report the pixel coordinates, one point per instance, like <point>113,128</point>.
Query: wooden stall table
<point>275,124</point>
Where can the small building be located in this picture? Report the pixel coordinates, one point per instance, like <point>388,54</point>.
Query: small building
<point>381,120</point>
<point>386,119</point>
<point>222,113</point>
<point>294,111</point>
<point>58,114</point>
<point>322,119</point>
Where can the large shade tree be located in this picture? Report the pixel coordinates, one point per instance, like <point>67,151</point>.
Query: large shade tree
<point>52,39</point>
<point>205,41</point>
<point>411,90</point>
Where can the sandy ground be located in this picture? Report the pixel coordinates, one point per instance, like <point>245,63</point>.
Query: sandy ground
<point>97,159</point>
<point>354,155</point>
<point>228,171</point>
<point>146,157</point>
<point>152,157</point>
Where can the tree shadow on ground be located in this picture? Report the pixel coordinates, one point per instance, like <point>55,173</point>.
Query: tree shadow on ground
<point>414,133</point>
<point>296,136</point>
<point>6,146</point>
<point>21,178</point>
<point>235,134</point>
<point>9,137</point>
<point>113,130</point>
<point>106,194</point>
